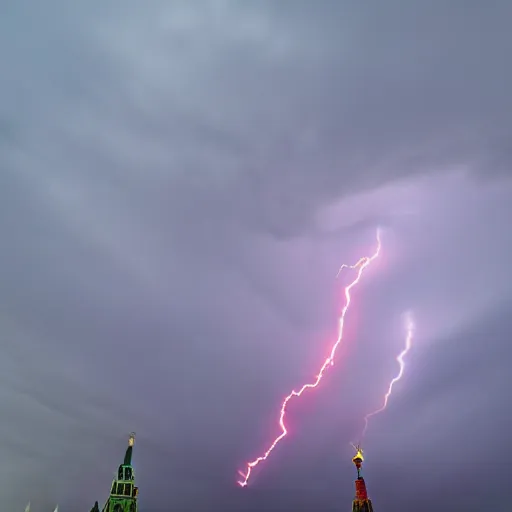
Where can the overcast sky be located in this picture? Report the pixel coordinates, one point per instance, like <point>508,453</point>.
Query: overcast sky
<point>179,183</point>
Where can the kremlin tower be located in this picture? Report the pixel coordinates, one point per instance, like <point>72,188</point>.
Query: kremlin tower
<point>123,494</point>
<point>361,501</point>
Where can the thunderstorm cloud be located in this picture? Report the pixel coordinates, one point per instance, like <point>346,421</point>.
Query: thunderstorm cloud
<point>179,184</point>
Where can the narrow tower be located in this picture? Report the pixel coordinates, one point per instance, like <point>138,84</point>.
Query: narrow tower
<point>123,494</point>
<point>361,501</point>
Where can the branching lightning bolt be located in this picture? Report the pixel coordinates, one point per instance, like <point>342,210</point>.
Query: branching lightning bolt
<point>401,362</point>
<point>361,265</point>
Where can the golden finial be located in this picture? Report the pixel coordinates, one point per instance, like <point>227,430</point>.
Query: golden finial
<point>131,439</point>
<point>358,457</point>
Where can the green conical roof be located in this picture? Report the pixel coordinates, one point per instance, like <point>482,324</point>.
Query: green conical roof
<point>129,450</point>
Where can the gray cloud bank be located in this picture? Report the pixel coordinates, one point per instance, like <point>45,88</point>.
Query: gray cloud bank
<point>179,183</point>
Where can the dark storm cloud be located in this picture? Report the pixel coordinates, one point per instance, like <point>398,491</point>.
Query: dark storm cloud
<point>179,185</point>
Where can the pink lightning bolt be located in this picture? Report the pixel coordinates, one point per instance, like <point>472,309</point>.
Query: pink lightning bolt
<point>401,362</point>
<point>361,265</point>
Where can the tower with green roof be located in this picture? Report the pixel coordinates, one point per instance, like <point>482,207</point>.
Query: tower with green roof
<point>123,493</point>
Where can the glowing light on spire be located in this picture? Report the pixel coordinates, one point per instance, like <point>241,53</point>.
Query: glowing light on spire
<point>401,362</point>
<point>360,266</point>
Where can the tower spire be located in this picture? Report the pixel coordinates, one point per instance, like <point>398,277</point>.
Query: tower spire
<point>361,501</point>
<point>129,450</point>
<point>123,493</point>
